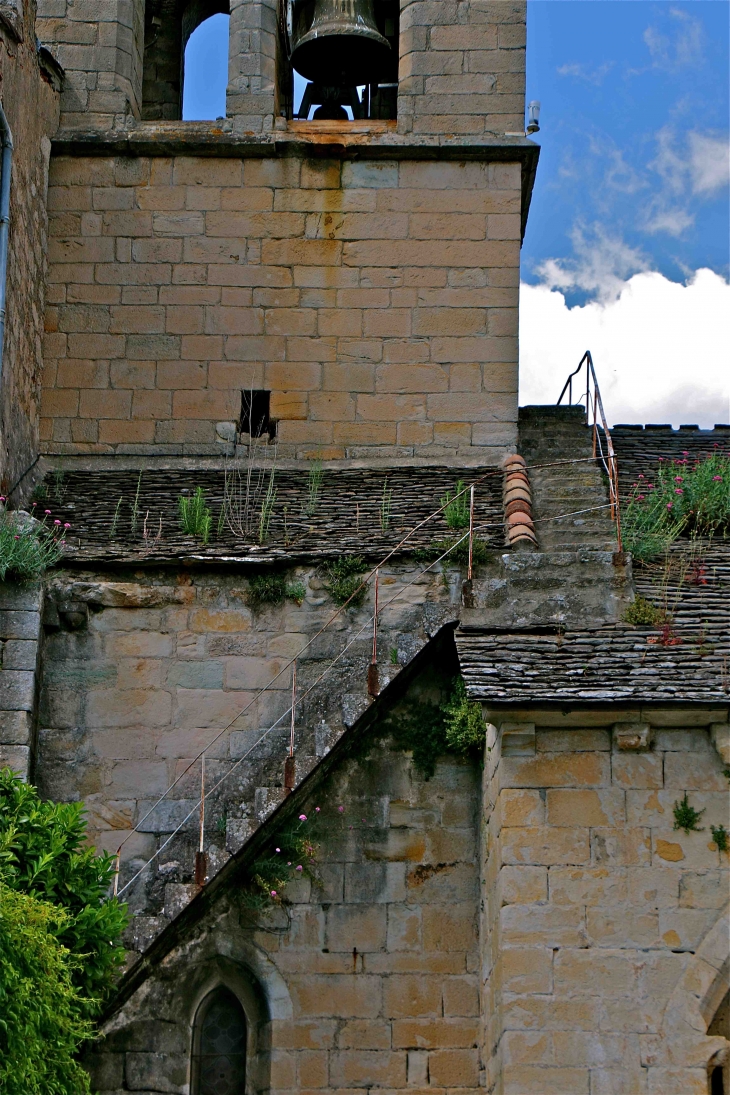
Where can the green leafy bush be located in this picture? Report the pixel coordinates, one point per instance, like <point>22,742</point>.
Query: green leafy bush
<point>643,613</point>
<point>463,721</point>
<point>456,506</point>
<point>344,579</point>
<point>720,836</point>
<point>681,496</point>
<point>195,516</point>
<point>43,852</point>
<point>28,546</point>
<point>42,1022</point>
<point>686,817</point>
<point>273,589</point>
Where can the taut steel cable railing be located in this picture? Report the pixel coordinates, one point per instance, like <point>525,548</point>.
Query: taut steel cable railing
<point>594,408</point>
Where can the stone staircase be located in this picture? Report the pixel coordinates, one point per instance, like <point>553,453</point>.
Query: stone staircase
<point>553,434</point>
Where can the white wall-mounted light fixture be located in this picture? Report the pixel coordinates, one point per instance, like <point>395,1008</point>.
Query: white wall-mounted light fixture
<point>533,116</point>
<point>533,120</point>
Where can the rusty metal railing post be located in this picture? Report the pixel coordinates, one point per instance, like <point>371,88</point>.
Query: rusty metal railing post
<point>471,533</point>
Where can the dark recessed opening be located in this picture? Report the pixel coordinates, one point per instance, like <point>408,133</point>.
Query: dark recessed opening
<point>717,1084</point>
<point>255,418</point>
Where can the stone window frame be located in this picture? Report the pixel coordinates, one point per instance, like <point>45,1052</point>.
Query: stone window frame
<point>220,972</point>
<point>189,15</point>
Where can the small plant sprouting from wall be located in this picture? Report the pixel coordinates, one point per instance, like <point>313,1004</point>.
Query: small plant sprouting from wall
<point>195,516</point>
<point>314,487</point>
<point>344,578</point>
<point>456,551</point>
<point>267,508</point>
<point>28,546</point>
<point>720,836</point>
<point>643,613</point>
<point>135,505</point>
<point>456,506</point>
<point>678,497</point>
<point>394,655</point>
<point>430,730</point>
<point>385,504</point>
<point>273,589</point>
<point>115,518</point>
<point>292,855</point>
<point>463,720</point>
<point>686,817</point>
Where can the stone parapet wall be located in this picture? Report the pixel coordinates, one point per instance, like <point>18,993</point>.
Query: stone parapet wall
<point>595,905</point>
<point>21,609</point>
<point>377,301</point>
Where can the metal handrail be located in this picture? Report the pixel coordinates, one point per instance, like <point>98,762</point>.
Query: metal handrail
<point>607,458</point>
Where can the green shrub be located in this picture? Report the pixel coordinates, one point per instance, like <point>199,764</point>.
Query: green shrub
<point>463,721</point>
<point>27,546</point>
<point>273,589</point>
<point>456,506</point>
<point>292,852</point>
<point>643,613</point>
<point>344,579</point>
<point>42,1023</point>
<point>43,852</point>
<point>195,516</point>
<point>720,836</point>
<point>686,817</point>
<point>679,497</point>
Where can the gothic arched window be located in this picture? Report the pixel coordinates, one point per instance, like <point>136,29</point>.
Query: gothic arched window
<point>219,1046</point>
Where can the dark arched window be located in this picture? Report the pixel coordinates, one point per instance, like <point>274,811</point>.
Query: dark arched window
<point>219,1046</point>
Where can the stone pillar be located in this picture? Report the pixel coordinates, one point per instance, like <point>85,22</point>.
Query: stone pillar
<point>20,634</point>
<point>251,93</point>
<point>462,67</point>
<point>101,48</point>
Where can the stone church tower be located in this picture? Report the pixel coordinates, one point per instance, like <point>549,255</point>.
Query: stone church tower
<point>277,382</point>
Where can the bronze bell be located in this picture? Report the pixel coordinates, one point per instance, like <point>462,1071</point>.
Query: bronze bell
<point>342,47</point>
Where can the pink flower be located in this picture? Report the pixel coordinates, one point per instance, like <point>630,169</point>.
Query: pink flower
<point>278,849</point>
<point>67,524</point>
<point>302,817</point>
<point>678,479</point>
<point>717,478</point>
<point>640,476</point>
<point>46,511</point>
<point>641,498</point>
<point>669,505</point>
<point>340,809</point>
<point>57,522</point>
<point>299,868</point>
<point>316,809</point>
<point>273,893</point>
<point>685,452</point>
<point>289,863</point>
<point>679,491</point>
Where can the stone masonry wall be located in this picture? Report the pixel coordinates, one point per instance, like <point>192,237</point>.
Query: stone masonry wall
<point>31,106</point>
<point>20,642</point>
<point>604,930</point>
<point>139,676</point>
<point>371,981</point>
<point>462,67</point>
<point>376,300</point>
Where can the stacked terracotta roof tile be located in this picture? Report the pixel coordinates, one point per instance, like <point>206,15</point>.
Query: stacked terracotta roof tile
<point>517,501</point>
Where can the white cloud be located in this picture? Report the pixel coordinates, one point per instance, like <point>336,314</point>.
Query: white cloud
<point>601,265</point>
<point>709,163</point>
<point>701,167</point>
<point>679,50</point>
<point>589,75</point>
<point>660,348</point>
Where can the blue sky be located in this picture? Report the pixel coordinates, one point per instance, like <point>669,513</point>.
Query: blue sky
<point>634,107</point>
